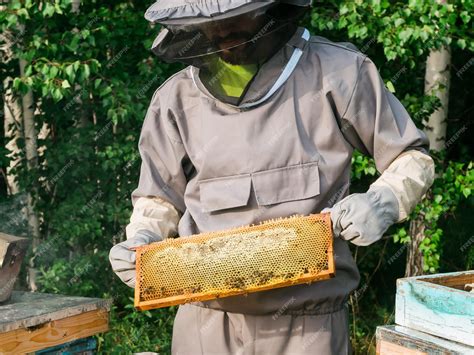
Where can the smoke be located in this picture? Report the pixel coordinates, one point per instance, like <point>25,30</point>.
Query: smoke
<point>13,215</point>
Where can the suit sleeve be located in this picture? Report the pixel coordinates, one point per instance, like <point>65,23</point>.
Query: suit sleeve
<point>159,196</point>
<point>377,124</point>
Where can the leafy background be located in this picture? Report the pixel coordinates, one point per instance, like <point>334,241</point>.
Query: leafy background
<point>92,76</point>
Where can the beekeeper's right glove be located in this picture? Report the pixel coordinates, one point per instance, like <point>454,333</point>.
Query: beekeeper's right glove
<point>122,258</point>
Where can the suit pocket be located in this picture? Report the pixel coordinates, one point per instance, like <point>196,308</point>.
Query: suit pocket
<point>224,192</point>
<point>294,182</point>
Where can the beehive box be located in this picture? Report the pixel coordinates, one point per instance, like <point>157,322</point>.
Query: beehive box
<point>399,340</point>
<point>33,321</point>
<point>437,305</point>
<point>272,254</point>
<point>12,252</point>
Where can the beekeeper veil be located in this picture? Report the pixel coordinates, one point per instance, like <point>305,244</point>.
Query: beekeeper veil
<point>222,37</point>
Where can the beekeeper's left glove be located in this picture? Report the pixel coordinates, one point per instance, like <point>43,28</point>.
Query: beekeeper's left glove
<point>364,218</point>
<point>122,258</point>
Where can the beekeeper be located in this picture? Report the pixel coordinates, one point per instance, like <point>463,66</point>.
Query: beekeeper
<point>263,124</point>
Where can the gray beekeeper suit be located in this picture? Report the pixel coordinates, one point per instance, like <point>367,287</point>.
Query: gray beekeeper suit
<point>213,160</point>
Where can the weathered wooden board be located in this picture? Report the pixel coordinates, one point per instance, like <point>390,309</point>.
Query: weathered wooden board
<point>29,309</point>
<point>34,321</point>
<point>438,305</point>
<point>399,340</point>
<point>12,252</point>
<point>84,346</point>
<point>52,333</point>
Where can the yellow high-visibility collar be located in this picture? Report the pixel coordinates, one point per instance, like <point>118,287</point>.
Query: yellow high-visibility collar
<point>233,79</point>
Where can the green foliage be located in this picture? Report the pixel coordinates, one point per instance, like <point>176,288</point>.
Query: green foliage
<point>398,37</point>
<point>92,75</point>
<point>362,166</point>
<point>405,30</point>
<point>133,331</point>
<point>454,182</point>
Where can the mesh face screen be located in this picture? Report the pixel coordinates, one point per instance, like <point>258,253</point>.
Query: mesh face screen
<point>272,254</point>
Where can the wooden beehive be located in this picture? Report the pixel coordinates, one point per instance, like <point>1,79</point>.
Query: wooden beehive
<point>434,315</point>
<point>34,322</point>
<point>438,305</point>
<point>399,340</point>
<point>272,254</point>
<point>12,252</point>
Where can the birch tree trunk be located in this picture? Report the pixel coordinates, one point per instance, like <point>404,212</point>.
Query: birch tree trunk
<point>31,153</point>
<point>13,131</point>
<point>76,4</point>
<point>19,123</point>
<point>83,118</point>
<point>12,114</point>
<point>437,82</point>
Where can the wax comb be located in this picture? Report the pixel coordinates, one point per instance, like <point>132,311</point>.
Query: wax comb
<point>275,253</point>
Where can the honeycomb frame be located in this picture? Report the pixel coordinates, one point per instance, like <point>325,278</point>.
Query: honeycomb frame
<point>255,238</point>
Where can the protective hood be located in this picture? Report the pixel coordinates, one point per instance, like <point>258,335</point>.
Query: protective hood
<point>237,37</point>
<point>195,11</point>
<point>268,79</point>
<point>229,41</point>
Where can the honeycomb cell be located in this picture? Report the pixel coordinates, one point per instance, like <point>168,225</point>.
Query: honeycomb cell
<point>275,253</point>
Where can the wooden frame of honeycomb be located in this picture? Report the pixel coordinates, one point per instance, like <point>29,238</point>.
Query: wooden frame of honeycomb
<point>275,253</point>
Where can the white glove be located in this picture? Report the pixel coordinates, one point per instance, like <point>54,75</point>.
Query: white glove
<point>364,218</point>
<point>122,258</point>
